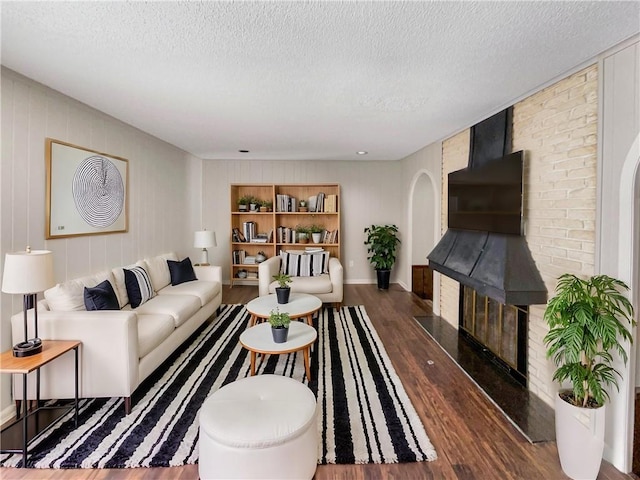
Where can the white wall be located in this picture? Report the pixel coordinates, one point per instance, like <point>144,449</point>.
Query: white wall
<point>422,183</point>
<point>371,193</point>
<point>619,154</point>
<point>160,203</point>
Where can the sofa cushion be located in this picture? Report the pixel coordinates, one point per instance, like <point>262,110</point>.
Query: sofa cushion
<point>159,270</point>
<point>119,284</point>
<point>139,287</point>
<point>204,290</point>
<point>181,272</point>
<point>101,297</point>
<point>69,296</point>
<point>180,307</point>
<point>153,329</point>
<point>312,285</point>
<point>305,265</point>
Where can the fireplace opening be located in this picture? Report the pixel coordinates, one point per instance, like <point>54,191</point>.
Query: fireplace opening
<point>498,331</point>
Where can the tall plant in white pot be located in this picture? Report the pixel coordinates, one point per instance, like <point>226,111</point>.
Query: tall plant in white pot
<point>588,320</point>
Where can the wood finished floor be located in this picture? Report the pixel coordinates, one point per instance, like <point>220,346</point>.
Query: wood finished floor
<point>472,438</point>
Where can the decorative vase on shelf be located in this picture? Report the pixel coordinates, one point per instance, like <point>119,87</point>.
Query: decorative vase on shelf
<point>316,237</point>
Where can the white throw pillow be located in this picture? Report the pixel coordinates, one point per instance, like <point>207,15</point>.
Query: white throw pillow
<point>158,270</point>
<point>69,296</point>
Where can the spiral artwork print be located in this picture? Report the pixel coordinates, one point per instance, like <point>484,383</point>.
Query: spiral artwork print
<point>98,191</point>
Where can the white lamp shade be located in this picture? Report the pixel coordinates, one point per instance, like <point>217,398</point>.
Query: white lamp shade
<point>205,239</point>
<point>28,272</point>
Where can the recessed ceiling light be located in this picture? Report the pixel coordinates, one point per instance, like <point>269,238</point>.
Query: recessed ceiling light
<point>362,152</point>
<point>243,151</point>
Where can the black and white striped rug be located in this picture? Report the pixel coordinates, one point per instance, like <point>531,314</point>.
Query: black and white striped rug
<point>366,414</point>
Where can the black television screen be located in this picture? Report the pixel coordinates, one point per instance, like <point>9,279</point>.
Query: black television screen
<point>488,198</point>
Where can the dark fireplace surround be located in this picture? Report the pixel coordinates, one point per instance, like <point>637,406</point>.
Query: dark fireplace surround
<point>495,269</point>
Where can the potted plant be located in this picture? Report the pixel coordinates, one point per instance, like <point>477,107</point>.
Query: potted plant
<point>382,242</point>
<point>283,290</point>
<point>253,204</point>
<point>316,232</point>
<point>268,204</point>
<point>279,325</point>
<point>588,320</point>
<point>243,203</point>
<point>302,206</point>
<point>303,233</point>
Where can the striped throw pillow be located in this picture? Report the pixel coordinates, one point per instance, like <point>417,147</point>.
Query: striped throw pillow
<point>138,285</point>
<point>304,265</point>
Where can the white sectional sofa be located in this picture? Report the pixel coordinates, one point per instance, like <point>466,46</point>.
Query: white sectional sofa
<point>120,348</point>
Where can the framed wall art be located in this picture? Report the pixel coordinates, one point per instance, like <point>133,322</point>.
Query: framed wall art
<point>87,191</point>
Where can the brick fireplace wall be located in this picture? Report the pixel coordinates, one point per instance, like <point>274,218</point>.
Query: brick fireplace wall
<point>557,127</point>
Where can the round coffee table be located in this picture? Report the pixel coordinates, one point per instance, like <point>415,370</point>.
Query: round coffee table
<point>258,339</point>
<point>300,305</point>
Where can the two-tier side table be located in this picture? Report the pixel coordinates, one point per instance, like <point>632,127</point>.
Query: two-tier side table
<point>51,349</point>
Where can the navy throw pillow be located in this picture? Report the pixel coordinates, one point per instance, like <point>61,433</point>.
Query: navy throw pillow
<point>139,288</point>
<point>181,272</point>
<point>101,297</point>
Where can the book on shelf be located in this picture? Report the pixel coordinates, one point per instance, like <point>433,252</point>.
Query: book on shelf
<point>249,230</point>
<point>320,202</point>
<point>237,236</point>
<point>286,203</point>
<point>238,257</point>
<point>331,204</point>
<point>330,236</point>
<point>286,235</point>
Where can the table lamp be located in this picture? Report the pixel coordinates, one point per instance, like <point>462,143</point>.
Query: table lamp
<point>28,273</point>
<point>204,239</point>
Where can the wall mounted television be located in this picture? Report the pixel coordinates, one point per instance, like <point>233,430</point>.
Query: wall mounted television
<point>488,198</point>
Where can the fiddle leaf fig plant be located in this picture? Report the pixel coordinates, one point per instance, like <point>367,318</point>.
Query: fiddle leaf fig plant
<point>382,242</point>
<point>588,319</point>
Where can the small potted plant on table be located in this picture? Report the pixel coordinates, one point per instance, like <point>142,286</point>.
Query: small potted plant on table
<point>283,290</point>
<point>588,319</point>
<point>279,325</point>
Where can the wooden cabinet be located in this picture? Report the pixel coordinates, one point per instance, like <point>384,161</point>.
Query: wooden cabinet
<point>271,231</point>
<point>422,281</point>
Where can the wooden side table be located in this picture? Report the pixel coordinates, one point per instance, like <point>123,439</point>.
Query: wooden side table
<point>258,339</point>
<point>51,349</point>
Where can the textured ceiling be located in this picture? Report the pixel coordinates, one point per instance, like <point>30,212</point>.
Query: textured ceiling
<point>305,80</point>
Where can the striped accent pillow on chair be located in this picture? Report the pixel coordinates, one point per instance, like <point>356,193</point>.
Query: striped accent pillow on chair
<point>138,285</point>
<point>304,265</point>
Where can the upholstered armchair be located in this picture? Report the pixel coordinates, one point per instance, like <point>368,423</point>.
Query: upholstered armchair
<point>328,287</point>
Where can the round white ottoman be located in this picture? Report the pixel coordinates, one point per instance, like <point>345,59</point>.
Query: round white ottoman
<point>259,427</point>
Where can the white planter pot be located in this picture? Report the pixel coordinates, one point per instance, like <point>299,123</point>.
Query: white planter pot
<point>316,237</point>
<point>580,439</point>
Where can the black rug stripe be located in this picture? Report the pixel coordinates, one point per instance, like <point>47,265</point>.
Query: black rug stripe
<point>341,416</point>
<point>363,397</point>
<point>392,419</point>
<point>394,424</point>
